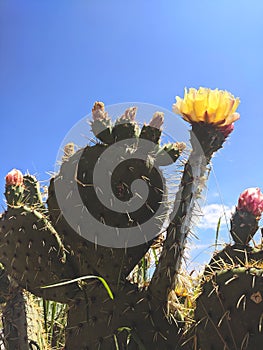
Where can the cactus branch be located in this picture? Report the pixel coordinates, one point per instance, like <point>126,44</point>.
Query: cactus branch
<point>205,141</point>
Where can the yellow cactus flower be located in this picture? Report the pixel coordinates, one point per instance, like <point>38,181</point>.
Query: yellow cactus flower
<point>215,107</point>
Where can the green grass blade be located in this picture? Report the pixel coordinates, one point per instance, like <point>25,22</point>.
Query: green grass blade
<point>53,318</point>
<point>156,258</point>
<point>45,311</point>
<point>217,232</point>
<point>83,278</point>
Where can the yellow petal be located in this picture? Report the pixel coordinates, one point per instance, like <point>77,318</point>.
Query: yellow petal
<point>232,118</point>
<point>213,101</point>
<point>200,105</point>
<point>235,105</point>
<point>221,109</point>
<point>190,110</point>
<point>176,108</point>
<point>186,107</point>
<point>192,92</point>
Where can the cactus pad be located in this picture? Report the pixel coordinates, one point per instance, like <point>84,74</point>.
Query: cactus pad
<point>229,312</point>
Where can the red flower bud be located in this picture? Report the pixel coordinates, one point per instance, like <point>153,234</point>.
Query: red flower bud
<point>251,200</point>
<point>14,178</point>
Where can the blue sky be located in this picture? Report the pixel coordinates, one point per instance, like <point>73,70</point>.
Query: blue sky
<point>58,57</point>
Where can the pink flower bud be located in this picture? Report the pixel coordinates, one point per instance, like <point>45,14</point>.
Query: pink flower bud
<point>14,178</point>
<point>251,200</point>
<point>227,129</point>
<point>157,120</point>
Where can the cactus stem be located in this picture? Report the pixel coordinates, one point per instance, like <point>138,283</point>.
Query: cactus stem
<point>195,170</point>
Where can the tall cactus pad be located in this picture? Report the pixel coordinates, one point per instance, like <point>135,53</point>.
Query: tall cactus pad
<point>122,178</point>
<point>229,312</point>
<point>126,161</point>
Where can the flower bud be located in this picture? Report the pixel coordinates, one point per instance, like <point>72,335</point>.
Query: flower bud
<point>251,200</point>
<point>14,178</point>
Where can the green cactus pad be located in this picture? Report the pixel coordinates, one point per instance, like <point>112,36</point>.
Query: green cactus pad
<point>244,225</point>
<point>169,153</point>
<point>133,316</point>
<point>79,168</point>
<point>33,254</point>
<point>14,194</point>
<point>234,256</point>
<point>150,133</point>
<point>121,179</point>
<point>102,129</point>
<point>32,195</point>
<point>229,311</point>
<point>125,130</point>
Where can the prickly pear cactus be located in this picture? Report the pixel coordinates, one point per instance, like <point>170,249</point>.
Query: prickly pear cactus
<point>87,262</point>
<point>31,249</point>
<point>229,311</point>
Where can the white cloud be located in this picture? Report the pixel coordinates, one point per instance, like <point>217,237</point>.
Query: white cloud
<point>211,214</point>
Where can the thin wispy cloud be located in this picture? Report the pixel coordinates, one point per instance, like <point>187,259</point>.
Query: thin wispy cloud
<point>211,214</point>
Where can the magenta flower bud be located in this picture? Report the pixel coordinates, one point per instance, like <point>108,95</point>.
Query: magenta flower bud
<point>251,200</point>
<point>227,129</point>
<point>14,178</point>
<point>157,120</point>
